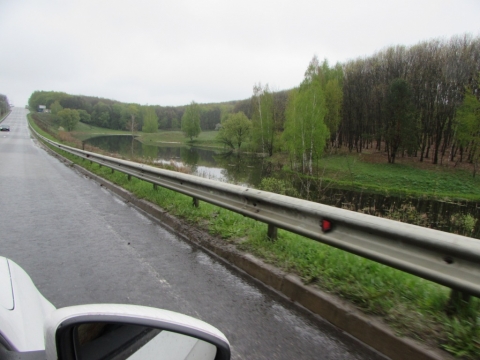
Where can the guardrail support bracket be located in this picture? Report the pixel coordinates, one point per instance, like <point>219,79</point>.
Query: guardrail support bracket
<point>272,232</point>
<point>195,202</point>
<point>457,302</point>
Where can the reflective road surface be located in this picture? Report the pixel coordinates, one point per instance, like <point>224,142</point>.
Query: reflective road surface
<point>81,244</point>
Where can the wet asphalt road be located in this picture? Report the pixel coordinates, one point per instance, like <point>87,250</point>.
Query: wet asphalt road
<point>81,244</point>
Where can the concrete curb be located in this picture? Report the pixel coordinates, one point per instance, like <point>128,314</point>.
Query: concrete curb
<point>331,308</point>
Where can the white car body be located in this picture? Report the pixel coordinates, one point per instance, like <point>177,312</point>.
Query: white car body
<point>23,309</point>
<point>30,326</point>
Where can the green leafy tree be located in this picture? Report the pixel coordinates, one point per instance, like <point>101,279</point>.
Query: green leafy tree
<point>235,130</point>
<point>4,105</point>
<point>46,98</point>
<point>305,132</point>
<point>175,125</point>
<point>467,131</point>
<point>69,118</point>
<point>162,124</point>
<point>191,121</point>
<point>132,122</point>
<point>118,117</point>
<point>72,102</point>
<point>84,116</point>
<point>150,121</point>
<point>101,114</point>
<point>56,107</point>
<point>263,119</point>
<point>333,103</point>
<point>401,130</point>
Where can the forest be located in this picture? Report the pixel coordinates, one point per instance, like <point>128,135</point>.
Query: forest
<point>419,101</point>
<point>4,105</point>
<point>116,115</point>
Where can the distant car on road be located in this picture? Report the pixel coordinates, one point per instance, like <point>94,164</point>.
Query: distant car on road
<point>4,128</point>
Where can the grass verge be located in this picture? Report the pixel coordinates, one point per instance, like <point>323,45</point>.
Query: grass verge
<point>205,139</point>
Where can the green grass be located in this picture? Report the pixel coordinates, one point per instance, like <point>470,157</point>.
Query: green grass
<point>408,179</point>
<point>205,139</point>
<point>84,132</point>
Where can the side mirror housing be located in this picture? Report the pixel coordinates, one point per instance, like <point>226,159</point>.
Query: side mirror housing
<point>113,331</point>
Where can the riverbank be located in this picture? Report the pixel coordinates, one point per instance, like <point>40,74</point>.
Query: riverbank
<point>368,171</point>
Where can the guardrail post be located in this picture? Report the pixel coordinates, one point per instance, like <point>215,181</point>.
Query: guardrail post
<point>113,170</point>
<point>155,186</point>
<point>195,202</point>
<point>272,232</point>
<point>129,177</point>
<point>457,302</point>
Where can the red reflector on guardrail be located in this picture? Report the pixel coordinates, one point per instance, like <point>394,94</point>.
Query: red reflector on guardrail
<point>326,225</point>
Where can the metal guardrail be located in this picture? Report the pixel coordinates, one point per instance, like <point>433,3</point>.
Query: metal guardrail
<point>447,259</point>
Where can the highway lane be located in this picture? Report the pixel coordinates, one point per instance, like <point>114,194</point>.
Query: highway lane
<point>81,244</point>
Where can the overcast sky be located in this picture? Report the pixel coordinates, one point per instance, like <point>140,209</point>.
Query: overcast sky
<point>172,52</point>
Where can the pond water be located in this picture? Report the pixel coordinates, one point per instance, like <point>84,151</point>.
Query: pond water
<point>212,164</point>
<point>248,170</point>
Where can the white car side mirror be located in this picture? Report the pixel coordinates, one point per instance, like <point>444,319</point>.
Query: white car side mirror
<point>113,331</point>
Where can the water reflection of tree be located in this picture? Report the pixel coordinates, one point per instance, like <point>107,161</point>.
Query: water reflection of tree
<point>118,144</point>
<point>240,168</point>
<point>169,153</point>
<point>126,146</point>
<point>189,157</point>
<point>149,152</point>
<point>206,157</point>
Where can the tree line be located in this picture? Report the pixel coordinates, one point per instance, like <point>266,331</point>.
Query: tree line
<point>419,101</point>
<point>4,105</point>
<point>116,115</point>
<point>435,76</point>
